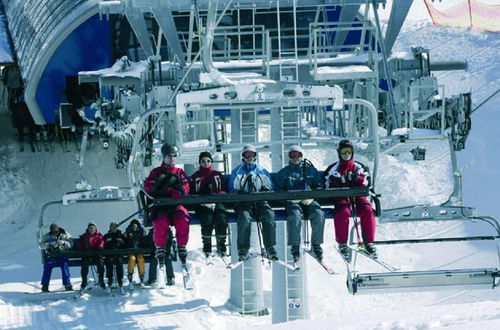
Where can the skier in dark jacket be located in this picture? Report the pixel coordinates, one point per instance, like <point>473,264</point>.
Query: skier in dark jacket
<point>300,174</point>
<point>56,240</point>
<point>209,181</point>
<point>114,240</point>
<point>248,177</point>
<point>349,173</point>
<point>92,240</point>
<point>134,238</point>
<point>168,180</point>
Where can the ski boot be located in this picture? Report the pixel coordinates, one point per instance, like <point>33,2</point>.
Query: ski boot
<point>221,246</point>
<point>207,246</point>
<point>242,254</point>
<point>345,252</point>
<point>371,250</point>
<point>170,281</point>
<point>102,285</point>
<point>45,288</point>
<point>141,278</point>
<point>318,251</point>
<point>160,255</point>
<point>182,252</point>
<point>295,250</point>
<point>68,287</point>
<point>84,284</point>
<point>271,253</point>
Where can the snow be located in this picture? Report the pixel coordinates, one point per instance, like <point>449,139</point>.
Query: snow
<point>27,181</point>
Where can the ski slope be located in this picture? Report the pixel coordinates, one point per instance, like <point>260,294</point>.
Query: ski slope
<point>29,180</point>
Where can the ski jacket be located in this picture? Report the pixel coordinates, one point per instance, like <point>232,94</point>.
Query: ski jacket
<point>134,238</point>
<point>167,191</point>
<point>249,177</point>
<point>347,174</point>
<point>91,242</point>
<point>303,176</point>
<point>60,242</point>
<point>114,240</point>
<point>207,181</point>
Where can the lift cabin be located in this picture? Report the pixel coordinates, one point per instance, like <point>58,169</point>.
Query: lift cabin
<point>216,75</point>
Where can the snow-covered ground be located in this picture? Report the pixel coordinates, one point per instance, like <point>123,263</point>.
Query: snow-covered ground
<point>27,181</point>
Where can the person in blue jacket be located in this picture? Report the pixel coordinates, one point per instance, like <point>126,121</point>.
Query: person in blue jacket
<point>300,174</point>
<point>248,177</point>
<point>56,240</point>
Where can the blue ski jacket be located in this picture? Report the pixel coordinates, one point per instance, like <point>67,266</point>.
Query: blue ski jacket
<point>249,177</point>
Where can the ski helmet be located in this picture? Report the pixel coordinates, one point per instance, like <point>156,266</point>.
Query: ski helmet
<point>249,148</point>
<point>168,149</point>
<point>296,148</point>
<point>204,154</point>
<point>345,144</point>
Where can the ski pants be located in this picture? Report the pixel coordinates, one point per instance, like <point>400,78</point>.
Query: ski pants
<point>132,260</point>
<point>179,218</point>
<point>112,262</point>
<point>262,212</point>
<point>50,263</point>
<point>296,212</point>
<point>341,221</point>
<point>87,261</point>
<point>212,218</point>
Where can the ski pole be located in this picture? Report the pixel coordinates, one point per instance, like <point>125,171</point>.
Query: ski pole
<point>259,235</point>
<point>354,216</point>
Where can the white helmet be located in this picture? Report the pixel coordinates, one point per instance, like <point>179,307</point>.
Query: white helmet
<point>249,148</point>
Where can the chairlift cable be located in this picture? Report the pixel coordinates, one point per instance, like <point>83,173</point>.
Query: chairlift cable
<point>485,100</point>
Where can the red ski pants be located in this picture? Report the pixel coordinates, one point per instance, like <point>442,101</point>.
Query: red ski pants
<point>179,218</point>
<point>341,221</point>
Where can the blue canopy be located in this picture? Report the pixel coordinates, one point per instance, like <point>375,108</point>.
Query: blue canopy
<point>6,53</point>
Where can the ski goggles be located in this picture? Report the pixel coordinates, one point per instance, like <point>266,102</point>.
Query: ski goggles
<point>294,154</point>
<point>172,155</point>
<point>249,155</point>
<point>346,151</point>
<point>206,161</point>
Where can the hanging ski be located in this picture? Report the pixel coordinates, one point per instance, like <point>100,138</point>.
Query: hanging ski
<point>360,250</point>
<point>186,277</point>
<point>327,268</point>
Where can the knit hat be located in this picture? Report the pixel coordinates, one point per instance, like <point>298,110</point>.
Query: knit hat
<point>204,154</point>
<point>54,227</point>
<point>296,148</point>
<point>91,224</point>
<point>249,148</point>
<point>113,224</point>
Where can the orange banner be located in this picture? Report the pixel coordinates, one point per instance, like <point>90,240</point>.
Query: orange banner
<point>468,13</point>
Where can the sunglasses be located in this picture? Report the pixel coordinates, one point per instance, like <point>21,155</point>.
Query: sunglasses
<point>172,155</point>
<point>294,155</point>
<point>346,153</point>
<point>206,161</point>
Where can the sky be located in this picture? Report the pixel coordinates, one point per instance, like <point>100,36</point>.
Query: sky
<point>28,181</point>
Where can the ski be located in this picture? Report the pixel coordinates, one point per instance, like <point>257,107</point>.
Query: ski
<point>51,295</point>
<point>236,264</point>
<point>186,277</point>
<point>327,268</point>
<point>360,250</point>
<point>224,260</point>
<point>284,264</point>
<point>208,260</point>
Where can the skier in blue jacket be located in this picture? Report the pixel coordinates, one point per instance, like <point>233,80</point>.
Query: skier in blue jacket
<point>300,174</point>
<point>248,177</point>
<point>56,240</point>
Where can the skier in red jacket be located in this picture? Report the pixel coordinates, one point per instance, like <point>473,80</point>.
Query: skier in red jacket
<point>168,180</point>
<point>349,173</point>
<point>209,181</point>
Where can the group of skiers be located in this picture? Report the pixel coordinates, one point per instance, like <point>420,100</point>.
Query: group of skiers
<point>171,181</point>
<point>168,180</point>
<point>59,240</point>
